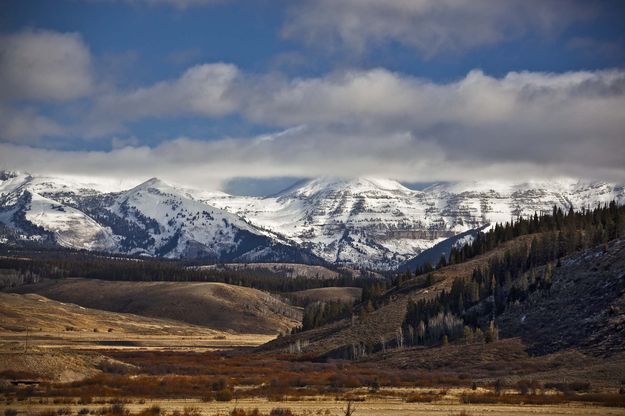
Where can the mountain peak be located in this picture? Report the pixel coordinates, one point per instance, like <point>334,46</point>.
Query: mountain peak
<point>152,183</point>
<point>356,185</point>
<point>562,184</point>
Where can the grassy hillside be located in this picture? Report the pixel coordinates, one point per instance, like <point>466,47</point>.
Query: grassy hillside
<point>329,294</point>
<point>217,306</point>
<point>583,307</point>
<point>381,324</point>
<point>35,313</point>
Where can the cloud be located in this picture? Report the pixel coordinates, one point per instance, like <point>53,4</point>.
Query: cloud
<point>431,26</point>
<point>202,89</point>
<point>25,125</point>
<point>316,151</point>
<point>347,122</point>
<point>209,164</point>
<point>374,122</point>
<point>385,98</point>
<point>44,65</point>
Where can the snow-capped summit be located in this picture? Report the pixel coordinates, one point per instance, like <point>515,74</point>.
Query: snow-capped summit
<point>363,221</point>
<point>326,185</point>
<point>152,218</point>
<point>380,222</point>
<point>369,222</point>
<point>25,205</point>
<point>152,183</point>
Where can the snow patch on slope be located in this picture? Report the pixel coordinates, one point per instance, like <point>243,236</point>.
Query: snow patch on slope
<point>71,227</point>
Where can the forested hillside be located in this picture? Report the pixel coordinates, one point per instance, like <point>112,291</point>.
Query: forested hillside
<point>472,305</point>
<point>478,296</point>
<point>32,266</point>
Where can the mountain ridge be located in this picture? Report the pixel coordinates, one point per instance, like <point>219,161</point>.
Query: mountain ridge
<point>363,222</point>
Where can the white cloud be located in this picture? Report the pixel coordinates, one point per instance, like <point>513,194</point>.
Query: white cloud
<point>306,151</point>
<point>381,97</point>
<point>431,26</point>
<point>576,118</point>
<point>525,124</point>
<point>202,89</point>
<point>351,122</point>
<point>44,65</point>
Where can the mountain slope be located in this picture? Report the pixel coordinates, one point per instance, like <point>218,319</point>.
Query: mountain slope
<point>214,305</point>
<point>23,206</point>
<point>156,219</point>
<point>381,223</point>
<point>152,218</point>
<point>583,309</point>
<point>20,313</point>
<point>433,254</point>
<point>381,325</point>
<point>362,222</point>
<point>371,222</point>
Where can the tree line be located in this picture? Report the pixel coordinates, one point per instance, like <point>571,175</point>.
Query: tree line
<point>56,264</point>
<point>470,307</point>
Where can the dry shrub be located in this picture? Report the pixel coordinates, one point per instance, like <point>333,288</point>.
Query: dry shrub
<point>113,367</point>
<point>280,411</point>
<point>493,398</point>
<point>224,395</point>
<point>421,398</point>
<point>116,409</point>
<point>605,399</point>
<point>351,398</point>
<point>85,399</point>
<point>243,412</point>
<point>569,387</point>
<point>47,412</point>
<point>18,375</point>
<point>220,384</point>
<point>341,380</point>
<point>274,397</point>
<point>528,386</point>
<point>191,411</point>
<point>150,411</point>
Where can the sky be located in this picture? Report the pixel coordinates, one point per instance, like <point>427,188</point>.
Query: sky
<point>250,95</point>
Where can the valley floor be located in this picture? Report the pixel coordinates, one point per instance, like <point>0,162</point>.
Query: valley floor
<point>332,407</point>
<point>85,341</point>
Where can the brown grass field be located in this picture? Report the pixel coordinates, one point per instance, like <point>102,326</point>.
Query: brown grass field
<point>218,306</point>
<point>218,382</point>
<point>324,407</point>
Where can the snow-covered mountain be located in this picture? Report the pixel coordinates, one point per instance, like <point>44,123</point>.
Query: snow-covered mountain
<point>37,207</point>
<point>359,222</point>
<point>380,223</point>
<point>151,218</point>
